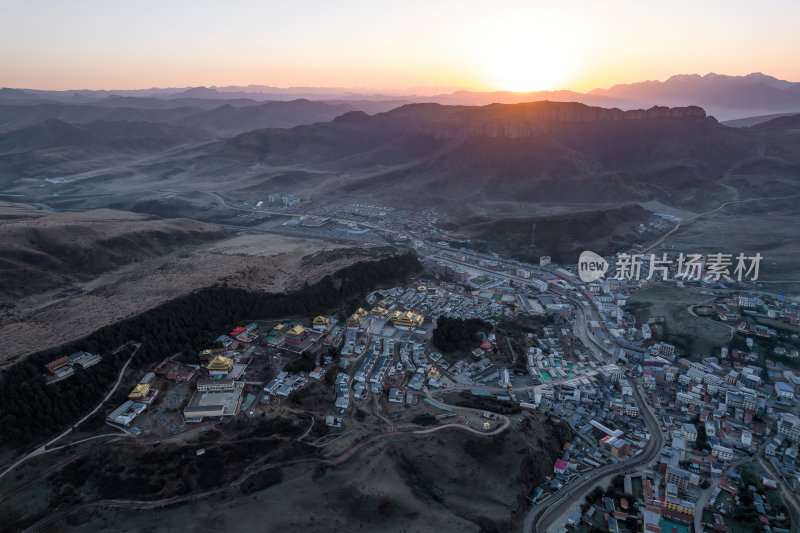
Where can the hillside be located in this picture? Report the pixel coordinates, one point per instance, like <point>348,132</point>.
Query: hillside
<point>228,119</point>
<point>54,133</point>
<point>520,152</point>
<point>209,118</point>
<point>783,123</point>
<point>752,121</point>
<point>470,161</point>
<point>47,134</point>
<point>64,275</point>
<point>52,250</point>
<point>561,236</point>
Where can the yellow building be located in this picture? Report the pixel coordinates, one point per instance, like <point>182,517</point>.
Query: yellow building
<point>296,330</point>
<point>681,506</point>
<point>409,319</point>
<point>379,311</point>
<point>355,319</point>
<point>139,391</point>
<point>433,372</point>
<point>321,321</point>
<point>220,364</point>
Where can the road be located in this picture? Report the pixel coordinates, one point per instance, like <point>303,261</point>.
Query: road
<point>58,466</point>
<point>705,494</point>
<point>544,514</point>
<point>789,496</point>
<point>43,448</point>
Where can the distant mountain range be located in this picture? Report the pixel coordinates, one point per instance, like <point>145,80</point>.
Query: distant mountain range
<point>533,152</point>
<point>724,97</point>
<point>222,119</point>
<point>462,157</point>
<point>117,150</point>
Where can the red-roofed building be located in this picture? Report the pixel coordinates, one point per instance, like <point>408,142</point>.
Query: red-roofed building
<point>237,331</point>
<point>719,524</point>
<point>677,516</point>
<point>560,467</point>
<point>647,491</point>
<point>724,485</point>
<point>59,363</point>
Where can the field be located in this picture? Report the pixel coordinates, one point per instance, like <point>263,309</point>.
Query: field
<point>562,236</point>
<point>150,262</point>
<point>766,227</point>
<point>693,334</point>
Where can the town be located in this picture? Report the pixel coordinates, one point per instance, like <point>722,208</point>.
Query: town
<point>696,440</point>
<point>681,429</point>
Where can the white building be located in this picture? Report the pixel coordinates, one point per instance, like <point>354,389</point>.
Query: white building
<point>721,452</point>
<point>538,284</point>
<point>784,391</point>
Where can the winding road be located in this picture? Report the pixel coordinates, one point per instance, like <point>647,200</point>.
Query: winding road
<point>543,515</point>
<point>788,493</point>
<point>44,447</point>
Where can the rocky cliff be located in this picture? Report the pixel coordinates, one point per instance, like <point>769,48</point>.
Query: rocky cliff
<point>520,120</point>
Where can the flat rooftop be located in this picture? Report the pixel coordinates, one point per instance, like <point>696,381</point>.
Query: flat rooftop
<point>230,400</point>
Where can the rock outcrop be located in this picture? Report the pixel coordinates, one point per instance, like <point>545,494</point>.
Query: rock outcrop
<point>520,120</point>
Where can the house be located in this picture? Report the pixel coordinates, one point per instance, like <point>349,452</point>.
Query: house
<point>690,432</point>
<point>560,467</point>
<point>721,452</point>
<point>784,391</point>
<point>396,395</point>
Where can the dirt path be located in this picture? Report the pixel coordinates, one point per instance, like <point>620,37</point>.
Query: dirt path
<point>154,504</point>
<point>43,448</point>
<point>723,205</point>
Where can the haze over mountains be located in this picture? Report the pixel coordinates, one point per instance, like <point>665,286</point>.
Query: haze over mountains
<point>724,97</point>
<point>518,153</point>
<point>587,176</point>
<point>171,152</point>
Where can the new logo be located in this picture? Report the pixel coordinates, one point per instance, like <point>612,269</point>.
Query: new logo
<point>591,266</point>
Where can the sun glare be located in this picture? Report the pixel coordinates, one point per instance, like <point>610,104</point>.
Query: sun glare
<point>521,57</point>
<point>519,70</point>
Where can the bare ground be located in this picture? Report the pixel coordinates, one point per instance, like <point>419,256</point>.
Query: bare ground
<point>256,262</point>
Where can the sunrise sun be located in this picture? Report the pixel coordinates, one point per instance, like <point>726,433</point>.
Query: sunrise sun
<point>519,70</point>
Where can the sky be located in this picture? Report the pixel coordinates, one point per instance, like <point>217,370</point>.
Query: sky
<point>499,45</point>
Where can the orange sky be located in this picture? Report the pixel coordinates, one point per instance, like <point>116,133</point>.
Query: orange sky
<point>502,45</point>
